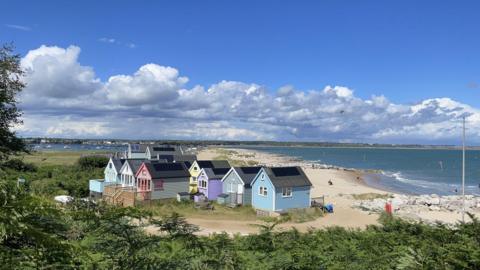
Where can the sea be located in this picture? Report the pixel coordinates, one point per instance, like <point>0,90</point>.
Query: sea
<point>408,171</point>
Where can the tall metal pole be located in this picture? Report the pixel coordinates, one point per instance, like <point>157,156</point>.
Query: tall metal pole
<point>463,172</point>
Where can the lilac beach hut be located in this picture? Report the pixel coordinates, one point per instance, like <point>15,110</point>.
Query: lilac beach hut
<point>210,182</point>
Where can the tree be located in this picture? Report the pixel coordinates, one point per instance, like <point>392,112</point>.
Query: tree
<point>32,231</point>
<point>10,85</point>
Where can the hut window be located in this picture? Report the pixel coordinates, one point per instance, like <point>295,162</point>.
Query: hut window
<point>263,176</point>
<point>262,191</point>
<point>287,192</point>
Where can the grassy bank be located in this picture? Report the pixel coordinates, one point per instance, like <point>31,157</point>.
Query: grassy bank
<point>225,154</point>
<point>40,158</point>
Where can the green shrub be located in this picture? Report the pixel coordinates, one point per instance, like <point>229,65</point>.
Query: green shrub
<point>89,162</point>
<point>18,165</point>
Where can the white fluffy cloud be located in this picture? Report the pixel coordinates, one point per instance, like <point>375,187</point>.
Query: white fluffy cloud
<point>55,72</point>
<point>149,85</point>
<point>65,99</point>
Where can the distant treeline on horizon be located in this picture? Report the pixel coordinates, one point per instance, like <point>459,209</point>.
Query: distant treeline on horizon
<point>231,143</point>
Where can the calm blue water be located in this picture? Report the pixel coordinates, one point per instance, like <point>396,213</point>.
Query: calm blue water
<point>77,147</point>
<point>414,171</point>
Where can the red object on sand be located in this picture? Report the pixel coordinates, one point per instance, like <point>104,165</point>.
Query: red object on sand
<point>388,208</point>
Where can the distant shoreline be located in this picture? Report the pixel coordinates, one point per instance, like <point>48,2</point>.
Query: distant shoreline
<point>362,173</point>
<point>247,146</point>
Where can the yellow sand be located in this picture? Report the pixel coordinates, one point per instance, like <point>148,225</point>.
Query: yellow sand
<point>344,183</point>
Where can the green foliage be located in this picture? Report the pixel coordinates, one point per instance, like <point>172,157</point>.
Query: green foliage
<point>10,85</point>
<point>36,234</point>
<point>56,180</point>
<point>89,162</point>
<point>32,231</point>
<point>84,235</point>
<point>175,226</point>
<point>19,165</point>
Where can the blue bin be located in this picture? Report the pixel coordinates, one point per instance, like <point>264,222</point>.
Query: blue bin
<point>329,208</point>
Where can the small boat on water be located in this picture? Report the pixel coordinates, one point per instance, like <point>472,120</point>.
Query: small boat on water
<point>48,146</point>
<point>66,147</point>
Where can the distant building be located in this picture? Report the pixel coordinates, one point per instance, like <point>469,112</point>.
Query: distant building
<point>156,151</point>
<point>136,151</point>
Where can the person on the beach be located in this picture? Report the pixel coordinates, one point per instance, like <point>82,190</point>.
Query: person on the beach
<point>330,182</point>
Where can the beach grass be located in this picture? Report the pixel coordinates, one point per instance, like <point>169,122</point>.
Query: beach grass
<point>371,196</point>
<point>225,154</point>
<point>187,209</point>
<point>304,215</point>
<point>40,158</point>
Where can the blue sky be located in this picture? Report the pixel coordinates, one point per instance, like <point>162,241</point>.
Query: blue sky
<point>408,51</point>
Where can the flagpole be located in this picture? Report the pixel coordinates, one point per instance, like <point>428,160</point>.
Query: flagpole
<point>463,172</point>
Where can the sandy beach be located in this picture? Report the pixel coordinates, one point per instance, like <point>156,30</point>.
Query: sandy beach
<point>345,183</point>
<point>345,194</point>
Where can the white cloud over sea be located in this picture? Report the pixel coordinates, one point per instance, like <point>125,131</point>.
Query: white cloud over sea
<point>64,98</point>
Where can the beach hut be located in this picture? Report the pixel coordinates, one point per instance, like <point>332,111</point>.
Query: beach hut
<point>128,171</point>
<point>111,176</point>
<point>198,165</point>
<point>156,151</point>
<point>136,151</point>
<point>236,185</point>
<point>112,171</point>
<point>160,180</point>
<point>210,182</point>
<point>278,189</point>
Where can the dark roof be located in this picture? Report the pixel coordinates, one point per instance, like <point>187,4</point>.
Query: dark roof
<point>188,164</point>
<point>287,177</point>
<point>157,161</point>
<point>247,173</point>
<point>213,164</point>
<point>163,149</point>
<point>190,158</point>
<point>117,163</point>
<point>169,158</point>
<point>167,170</point>
<point>135,164</point>
<point>216,173</point>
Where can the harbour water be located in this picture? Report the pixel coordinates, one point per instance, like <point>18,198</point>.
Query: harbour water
<point>410,171</point>
<point>78,147</point>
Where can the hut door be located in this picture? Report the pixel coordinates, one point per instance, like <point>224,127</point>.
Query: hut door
<point>240,194</point>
